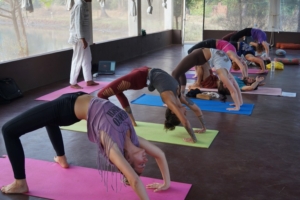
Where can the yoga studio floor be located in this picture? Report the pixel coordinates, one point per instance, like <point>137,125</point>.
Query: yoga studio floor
<point>252,157</point>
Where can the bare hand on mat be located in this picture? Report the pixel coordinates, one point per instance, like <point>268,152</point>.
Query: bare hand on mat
<point>190,140</point>
<point>157,186</point>
<point>202,130</point>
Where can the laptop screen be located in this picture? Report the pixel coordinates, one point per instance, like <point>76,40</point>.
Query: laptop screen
<point>106,67</point>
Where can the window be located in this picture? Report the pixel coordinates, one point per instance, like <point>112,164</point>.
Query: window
<point>153,22</point>
<point>110,20</point>
<point>289,15</point>
<point>24,34</point>
<point>236,14</point>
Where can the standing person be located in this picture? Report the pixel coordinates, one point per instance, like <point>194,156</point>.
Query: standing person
<point>169,91</point>
<point>259,37</point>
<point>217,59</point>
<point>108,126</point>
<point>81,40</point>
<point>228,48</point>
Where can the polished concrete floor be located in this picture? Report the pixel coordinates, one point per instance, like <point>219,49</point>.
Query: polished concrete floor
<point>252,157</point>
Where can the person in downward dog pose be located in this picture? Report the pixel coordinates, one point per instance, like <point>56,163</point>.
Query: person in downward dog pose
<point>259,37</point>
<point>169,91</point>
<point>217,59</point>
<point>108,126</point>
<point>249,54</point>
<point>228,48</point>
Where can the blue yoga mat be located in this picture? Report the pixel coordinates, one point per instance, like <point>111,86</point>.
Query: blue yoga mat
<point>205,105</point>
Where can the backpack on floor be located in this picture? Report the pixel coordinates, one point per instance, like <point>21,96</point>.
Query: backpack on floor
<point>9,90</point>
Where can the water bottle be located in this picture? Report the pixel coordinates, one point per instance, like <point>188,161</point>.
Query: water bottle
<point>272,66</point>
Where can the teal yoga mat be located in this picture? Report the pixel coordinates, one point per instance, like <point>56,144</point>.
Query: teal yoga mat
<point>205,105</point>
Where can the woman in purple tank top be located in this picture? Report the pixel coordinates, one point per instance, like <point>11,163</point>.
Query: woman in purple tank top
<point>108,126</point>
<point>259,37</point>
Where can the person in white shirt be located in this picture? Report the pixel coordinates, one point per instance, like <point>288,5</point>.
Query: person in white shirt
<point>80,38</point>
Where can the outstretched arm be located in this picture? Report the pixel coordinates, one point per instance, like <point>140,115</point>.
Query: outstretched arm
<point>243,67</point>
<point>129,112</point>
<point>232,89</point>
<point>251,87</point>
<point>174,104</point>
<point>266,47</point>
<point>189,103</point>
<point>161,161</point>
<point>116,157</point>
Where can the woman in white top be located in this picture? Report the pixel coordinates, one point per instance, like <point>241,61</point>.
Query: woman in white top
<point>222,64</point>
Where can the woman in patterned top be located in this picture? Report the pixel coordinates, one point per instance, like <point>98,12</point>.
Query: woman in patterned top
<point>119,148</point>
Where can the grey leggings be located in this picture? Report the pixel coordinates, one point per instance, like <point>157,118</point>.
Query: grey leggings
<point>191,60</point>
<point>59,112</point>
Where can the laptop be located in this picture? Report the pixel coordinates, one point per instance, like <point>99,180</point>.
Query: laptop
<point>106,67</point>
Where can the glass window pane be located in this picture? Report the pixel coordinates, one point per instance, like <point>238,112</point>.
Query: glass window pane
<point>152,22</point>
<point>110,20</point>
<point>236,14</point>
<point>177,12</point>
<point>289,15</point>
<point>194,21</point>
<point>24,34</point>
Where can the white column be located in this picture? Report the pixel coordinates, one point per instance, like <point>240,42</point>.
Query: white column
<point>134,22</point>
<point>168,14</point>
<point>91,22</point>
<point>274,16</point>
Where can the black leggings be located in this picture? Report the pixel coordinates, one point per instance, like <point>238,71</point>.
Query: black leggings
<point>240,34</point>
<point>210,43</point>
<point>191,60</point>
<point>59,112</point>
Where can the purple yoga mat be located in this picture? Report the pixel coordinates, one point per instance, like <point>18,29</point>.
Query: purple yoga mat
<point>48,180</point>
<point>190,76</point>
<point>87,89</point>
<point>250,71</point>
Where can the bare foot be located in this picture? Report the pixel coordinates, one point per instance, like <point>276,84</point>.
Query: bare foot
<point>62,161</point>
<point>91,83</point>
<point>18,186</point>
<point>76,86</point>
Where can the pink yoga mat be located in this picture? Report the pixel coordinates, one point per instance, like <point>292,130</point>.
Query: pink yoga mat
<point>48,180</point>
<point>87,89</point>
<point>250,71</point>
<point>192,69</point>
<point>260,90</point>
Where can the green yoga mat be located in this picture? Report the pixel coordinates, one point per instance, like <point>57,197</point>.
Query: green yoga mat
<point>155,132</point>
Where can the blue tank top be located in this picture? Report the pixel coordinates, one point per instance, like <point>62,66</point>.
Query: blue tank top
<point>240,82</point>
<point>245,49</point>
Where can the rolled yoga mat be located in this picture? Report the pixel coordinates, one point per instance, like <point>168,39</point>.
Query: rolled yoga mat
<point>49,180</point>
<point>205,105</point>
<point>155,132</point>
